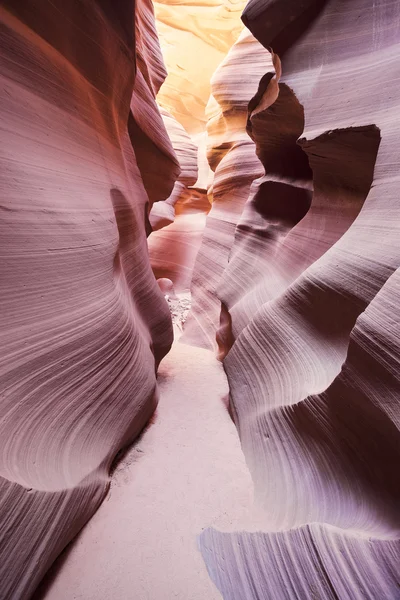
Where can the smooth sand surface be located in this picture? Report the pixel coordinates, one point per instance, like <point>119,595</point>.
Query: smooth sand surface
<point>185,473</point>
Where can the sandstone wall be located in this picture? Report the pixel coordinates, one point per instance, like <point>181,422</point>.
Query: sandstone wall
<point>308,286</point>
<point>82,319</point>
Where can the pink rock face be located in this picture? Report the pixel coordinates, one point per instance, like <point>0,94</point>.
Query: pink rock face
<point>173,249</point>
<point>296,284</point>
<point>178,222</point>
<point>83,321</point>
<point>157,162</point>
<point>163,213</point>
<point>310,326</point>
<point>233,85</point>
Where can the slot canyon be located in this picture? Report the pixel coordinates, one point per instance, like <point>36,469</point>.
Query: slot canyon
<point>199,300</point>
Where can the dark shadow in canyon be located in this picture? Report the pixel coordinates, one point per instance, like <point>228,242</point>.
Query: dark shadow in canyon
<point>281,28</point>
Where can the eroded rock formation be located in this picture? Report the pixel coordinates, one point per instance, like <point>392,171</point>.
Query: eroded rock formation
<point>178,222</point>
<point>232,156</point>
<point>82,320</point>
<point>307,324</point>
<point>195,37</point>
<point>163,213</point>
<point>296,285</point>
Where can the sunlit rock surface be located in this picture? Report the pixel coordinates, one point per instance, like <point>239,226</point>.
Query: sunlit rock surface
<point>310,326</point>
<point>296,286</point>
<point>158,165</point>
<point>178,222</point>
<point>163,213</point>
<point>173,249</point>
<point>82,319</point>
<point>232,156</point>
<point>195,37</point>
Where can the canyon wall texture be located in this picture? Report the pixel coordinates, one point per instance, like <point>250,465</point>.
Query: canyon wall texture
<point>83,321</point>
<point>194,37</point>
<point>296,284</point>
<point>162,214</point>
<point>308,285</point>
<point>232,156</point>
<point>178,222</point>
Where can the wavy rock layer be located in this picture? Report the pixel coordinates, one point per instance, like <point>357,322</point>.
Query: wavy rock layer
<point>194,37</point>
<point>233,85</point>
<point>310,327</point>
<point>158,165</point>
<point>178,222</point>
<point>163,213</point>
<point>173,249</point>
<point>83,321</point>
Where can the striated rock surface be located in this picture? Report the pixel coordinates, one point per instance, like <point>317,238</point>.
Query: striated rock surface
<point>310,327</point>
<point>178,222</point>
<point>83,321</point>
<point>174,248</point>
<point>232,156</point>
<point>296,285</point>
<point>163,213</point>
<point>195,37</point>
<point>158,165</point>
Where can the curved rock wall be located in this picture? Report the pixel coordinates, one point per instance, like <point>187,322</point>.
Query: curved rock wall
<point>310,330</point>
<point>178,222</point>
<point>158,165</point>
<point>82,319</point>
<point>195,37</point>
<point>233,85</point>
<point>296,282</point>
<point>163,213</point>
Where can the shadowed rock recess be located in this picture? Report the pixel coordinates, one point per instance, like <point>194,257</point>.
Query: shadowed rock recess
<point>290,244</point>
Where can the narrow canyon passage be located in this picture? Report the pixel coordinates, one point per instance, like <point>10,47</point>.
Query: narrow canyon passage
<point>185,473</point>
<point>199,299</point>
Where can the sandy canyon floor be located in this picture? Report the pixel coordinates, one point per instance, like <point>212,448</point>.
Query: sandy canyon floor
<point>186,472</point>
